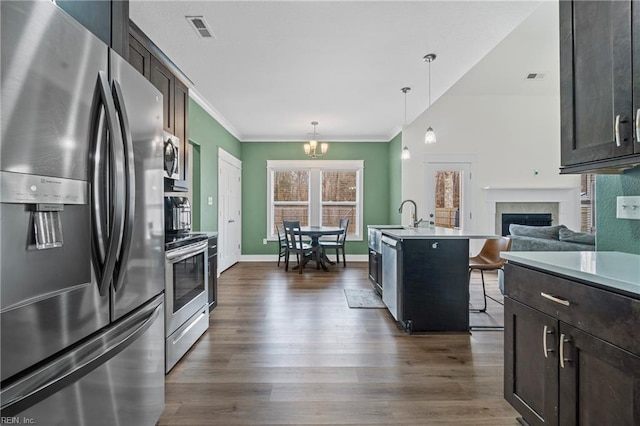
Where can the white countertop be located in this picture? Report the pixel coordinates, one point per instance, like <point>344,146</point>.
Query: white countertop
<point>617,270</point>
<point>435,232</point>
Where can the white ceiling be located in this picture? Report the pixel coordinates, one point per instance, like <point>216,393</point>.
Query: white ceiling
<point>275,66</point>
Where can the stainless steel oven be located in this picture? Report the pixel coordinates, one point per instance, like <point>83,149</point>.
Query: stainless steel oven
<point>187,309</point>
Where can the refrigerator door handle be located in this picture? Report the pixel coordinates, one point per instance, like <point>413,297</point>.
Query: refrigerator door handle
<point>130,190</point>
<point>98,198</point>
<point>105,266</point>
<point>50,379</point>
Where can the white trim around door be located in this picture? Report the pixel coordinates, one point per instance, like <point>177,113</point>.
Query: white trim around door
<point>229,210</point>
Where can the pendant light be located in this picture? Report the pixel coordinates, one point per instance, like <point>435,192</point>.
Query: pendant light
<point>430,135</point>
<point>406,154</point>
<point>311,147</point>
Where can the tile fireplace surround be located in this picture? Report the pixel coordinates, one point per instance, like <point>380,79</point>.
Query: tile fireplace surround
<point>562,203</point>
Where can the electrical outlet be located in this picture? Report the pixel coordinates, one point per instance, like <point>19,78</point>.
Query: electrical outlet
<point>210,201</point>
<point>264,241</point>
<point>628,207</point>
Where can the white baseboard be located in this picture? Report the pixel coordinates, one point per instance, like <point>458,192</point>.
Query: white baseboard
<point>274,258</point>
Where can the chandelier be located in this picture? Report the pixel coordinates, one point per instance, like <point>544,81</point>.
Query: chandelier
<point>311,147</point>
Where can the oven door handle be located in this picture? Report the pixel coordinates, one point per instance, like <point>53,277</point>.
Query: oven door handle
<point>180,254</point>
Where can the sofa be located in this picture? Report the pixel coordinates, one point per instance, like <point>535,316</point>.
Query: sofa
<point>549,238</point>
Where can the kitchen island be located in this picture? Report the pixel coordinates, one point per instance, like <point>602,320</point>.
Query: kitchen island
<point>425,281</point>
<point>571,337</point>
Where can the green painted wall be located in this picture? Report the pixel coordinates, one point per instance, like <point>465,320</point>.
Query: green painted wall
<point>616,234</point>
<point>395,179</point>
<point>206,132</point>
<point>254,187</point>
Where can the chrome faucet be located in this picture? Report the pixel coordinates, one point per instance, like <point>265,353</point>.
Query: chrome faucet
<point>413,215</point>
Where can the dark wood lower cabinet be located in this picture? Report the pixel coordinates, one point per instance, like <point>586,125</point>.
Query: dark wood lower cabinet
<point>560,373</point>
<point>599,383</point>
<point>530,369</point>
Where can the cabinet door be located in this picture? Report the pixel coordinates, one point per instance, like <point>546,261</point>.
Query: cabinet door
<point>93,15</point>
<point>164,81</point>
<point>181,111</point>
<point>595,80</point>
<point>139,57</point>
<point>373,267</point>
<point>636,74</point>
<point>531,363</point>
<point>599,383</point>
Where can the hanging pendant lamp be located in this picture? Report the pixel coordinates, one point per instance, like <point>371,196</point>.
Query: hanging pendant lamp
<point>406,154</point>
<point>430,135</point>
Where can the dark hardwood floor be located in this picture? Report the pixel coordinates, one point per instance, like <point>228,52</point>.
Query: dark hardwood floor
<point>284,348</point>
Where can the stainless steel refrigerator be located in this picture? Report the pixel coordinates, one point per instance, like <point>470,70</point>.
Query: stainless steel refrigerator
<point>81,227</point>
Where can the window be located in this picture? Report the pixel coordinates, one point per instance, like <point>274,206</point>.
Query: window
<point>588,203</point>
<point>339,197</point>
<point>291,196</point>
<point>315,193</point>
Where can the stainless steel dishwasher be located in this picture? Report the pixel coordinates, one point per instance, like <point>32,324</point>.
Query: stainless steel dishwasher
<point>392,276</point>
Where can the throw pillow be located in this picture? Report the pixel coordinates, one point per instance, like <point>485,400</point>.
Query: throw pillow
<point>577,237</point>
<point>546,232</point>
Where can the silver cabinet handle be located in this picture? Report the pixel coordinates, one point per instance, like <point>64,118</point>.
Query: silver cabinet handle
<point>616,129</point>
<point>555,299</point>
<point>638,125</point>
<point>546,331</point>
<point>563,340</point>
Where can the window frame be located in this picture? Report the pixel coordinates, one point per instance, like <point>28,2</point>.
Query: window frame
<point>315,168</point>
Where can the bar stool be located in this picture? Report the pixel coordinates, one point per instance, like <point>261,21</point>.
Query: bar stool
<point>489,260</point>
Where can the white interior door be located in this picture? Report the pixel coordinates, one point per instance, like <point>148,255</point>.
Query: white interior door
<point>229,210</point>
<point>449,194</point>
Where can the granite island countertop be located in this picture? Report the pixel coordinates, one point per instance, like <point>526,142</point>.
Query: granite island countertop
<point>619,272</point>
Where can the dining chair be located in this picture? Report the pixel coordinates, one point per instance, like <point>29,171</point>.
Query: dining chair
<point>295,244</point>
<point>488,259</point>
<point>282,242</point>
<point>338,244</point>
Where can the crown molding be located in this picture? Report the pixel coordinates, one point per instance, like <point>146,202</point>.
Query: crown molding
<point>393,133</point>
<point>333,139</point>
<point>206,105</point>
<point>200,100</point>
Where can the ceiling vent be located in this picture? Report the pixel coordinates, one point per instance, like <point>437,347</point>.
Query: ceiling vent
<point>535,76</point>
<point>200,26</point>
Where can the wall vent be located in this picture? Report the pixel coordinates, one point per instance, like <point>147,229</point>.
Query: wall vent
<point>535,76</point>
<point>200,26</point>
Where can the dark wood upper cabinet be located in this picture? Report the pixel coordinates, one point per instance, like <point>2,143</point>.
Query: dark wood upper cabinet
<point>139,57</point>
<point>181,114</point>
<point>635,41</point>
<point>164,81</point>
<point>151,62</point>
<point>597,77</point>
<point>106,19</point>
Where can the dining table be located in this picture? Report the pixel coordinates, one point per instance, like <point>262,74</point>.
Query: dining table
<point>314,233</point>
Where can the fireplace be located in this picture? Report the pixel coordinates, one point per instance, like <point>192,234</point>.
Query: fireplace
<point>562,203</point>
<point>531,219</point>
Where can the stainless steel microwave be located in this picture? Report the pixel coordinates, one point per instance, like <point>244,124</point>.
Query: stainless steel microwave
<point>171,156</point>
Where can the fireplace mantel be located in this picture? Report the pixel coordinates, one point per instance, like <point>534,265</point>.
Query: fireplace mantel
<point>568,200</point>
